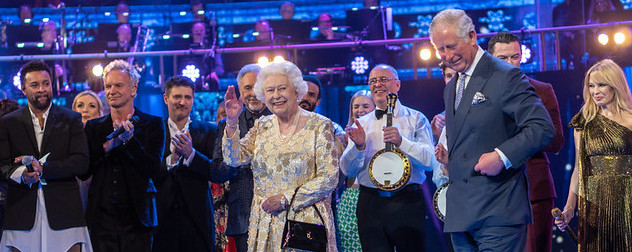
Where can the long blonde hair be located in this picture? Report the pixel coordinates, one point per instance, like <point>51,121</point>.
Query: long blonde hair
<point>88,93</point>
<point>364,93</point>
<point>606,72</point>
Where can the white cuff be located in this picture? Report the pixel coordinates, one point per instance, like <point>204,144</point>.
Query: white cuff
<point>503,158</point>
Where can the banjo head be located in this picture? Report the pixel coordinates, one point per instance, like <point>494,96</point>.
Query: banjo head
<point>390,170</point>
<point>439,201</point>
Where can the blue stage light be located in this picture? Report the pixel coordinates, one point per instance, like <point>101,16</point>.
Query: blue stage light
<point>192,72</point>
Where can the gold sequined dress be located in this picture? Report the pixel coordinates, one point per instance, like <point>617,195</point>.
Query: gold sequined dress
<point>605,185</point>
<point>307,159</point>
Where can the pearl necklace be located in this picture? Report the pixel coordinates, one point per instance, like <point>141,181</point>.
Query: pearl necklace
<point>293,127</point>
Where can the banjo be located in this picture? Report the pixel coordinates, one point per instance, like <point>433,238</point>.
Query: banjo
<point>439,201</point>
<point>389,168</point>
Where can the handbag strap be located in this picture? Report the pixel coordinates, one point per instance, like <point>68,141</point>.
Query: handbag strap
<point>290,208</point>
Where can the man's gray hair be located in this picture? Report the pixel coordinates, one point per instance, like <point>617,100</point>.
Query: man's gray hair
<point>388,67</point>
<point>250,68</point>
<point>457,18</point>
<point>285,68</point>
<point>123,66</point>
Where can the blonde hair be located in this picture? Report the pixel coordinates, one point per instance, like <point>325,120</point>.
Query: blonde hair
<point>88,93</point>
<point>606,72</point>
<point>364,93</point>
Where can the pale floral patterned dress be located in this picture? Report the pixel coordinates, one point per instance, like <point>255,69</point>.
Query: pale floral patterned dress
<point>305,159</point>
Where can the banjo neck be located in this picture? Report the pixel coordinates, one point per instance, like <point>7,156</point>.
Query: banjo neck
<point>389,123</point>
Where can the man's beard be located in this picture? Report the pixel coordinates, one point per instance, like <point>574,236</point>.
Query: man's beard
<point>34,101</point>
<point>307,106</point>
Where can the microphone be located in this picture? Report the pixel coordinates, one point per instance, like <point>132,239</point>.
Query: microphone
<point>121,129</point>
<point>557,214</point>
<point>26,161</point>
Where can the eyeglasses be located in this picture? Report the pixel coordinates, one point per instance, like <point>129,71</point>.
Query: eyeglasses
<point>382,80</point>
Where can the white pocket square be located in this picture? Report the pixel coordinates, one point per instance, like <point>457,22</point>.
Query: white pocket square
<point>478,98</point>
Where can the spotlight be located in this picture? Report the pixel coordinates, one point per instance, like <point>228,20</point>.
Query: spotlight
<point>425,54</point>
<point>603,39</point>
<point>278,59</point>
<point>200,12</point>
<point>619,38</point>
<point>182,13</point>
<point>359,65</point>
<point>16,81</point>
<point>526,54</point>
<point>97,70</point>
<point>263,61</point>
<point>45,20</point>
<point>27,20</point>
<point>192,72</point>
<point>107,13</point>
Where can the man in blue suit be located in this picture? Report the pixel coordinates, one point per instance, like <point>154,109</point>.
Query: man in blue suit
<point>495,122</point>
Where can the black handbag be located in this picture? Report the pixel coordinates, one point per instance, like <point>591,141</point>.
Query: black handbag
<point>304,236</point>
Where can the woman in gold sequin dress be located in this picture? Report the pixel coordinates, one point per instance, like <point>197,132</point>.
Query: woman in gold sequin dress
<point>601,184</point>
<point>290,148</point>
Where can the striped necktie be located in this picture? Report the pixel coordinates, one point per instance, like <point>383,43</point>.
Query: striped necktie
<point>459,91</point>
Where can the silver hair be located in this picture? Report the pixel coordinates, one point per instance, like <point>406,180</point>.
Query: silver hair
<point>388,67</point>
<point>287,69</point>
<point>123,66</point>
<point>456,17</point>
<point>250,68</point>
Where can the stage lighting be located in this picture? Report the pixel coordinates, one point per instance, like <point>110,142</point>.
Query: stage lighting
<point>602,38</point>
<point>526,53</point>
<point>278,59</point>
<point>425,54</point>
<point>17,82</point>
<point>263,61</point>
<point>359,65</point>
<point>27,20</point>
<point>182,13</point>
<point>185,36</point>
<point>107,13</point>
<point>97,70</point>
<point>619,38</point>
<point>45,20</point>
<point>200,12</point>
<point>192,72</point>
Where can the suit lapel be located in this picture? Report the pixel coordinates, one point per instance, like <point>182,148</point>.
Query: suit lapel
<point>475,84</point>
<point>28,126</point>
<point>167,139</point>
<point>51,125</point>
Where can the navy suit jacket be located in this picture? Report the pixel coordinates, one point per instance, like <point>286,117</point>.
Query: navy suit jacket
<point>66,142</point>
<point>190,183</point>
<point>512,119</point>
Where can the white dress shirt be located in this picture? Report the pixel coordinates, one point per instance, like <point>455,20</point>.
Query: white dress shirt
<point>173,130</point>
<point>417,144</point>
<point>41,237</point>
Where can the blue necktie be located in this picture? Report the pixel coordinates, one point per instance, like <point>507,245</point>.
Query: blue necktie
<point>459,91</point>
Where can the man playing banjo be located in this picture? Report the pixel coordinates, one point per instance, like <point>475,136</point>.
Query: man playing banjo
<point>390,211</point>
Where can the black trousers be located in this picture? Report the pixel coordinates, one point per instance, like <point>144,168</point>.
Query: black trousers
<point>118,231</point>
<point>178,232</point>
<point>394,222</point>
<point>241,242</point>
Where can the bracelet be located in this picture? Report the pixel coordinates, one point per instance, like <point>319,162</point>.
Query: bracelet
<point>231,126</point>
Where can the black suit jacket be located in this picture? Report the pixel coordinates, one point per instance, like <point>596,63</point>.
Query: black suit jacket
<point>511,118</point>
<point>190,183</point>
<point>141,158</point>
<point>66,142</point>
<point>241,179</point>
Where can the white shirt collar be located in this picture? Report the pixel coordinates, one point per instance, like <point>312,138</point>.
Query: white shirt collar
<point>174,128</point>
<point>477,58</point>
<point>34,117</point>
